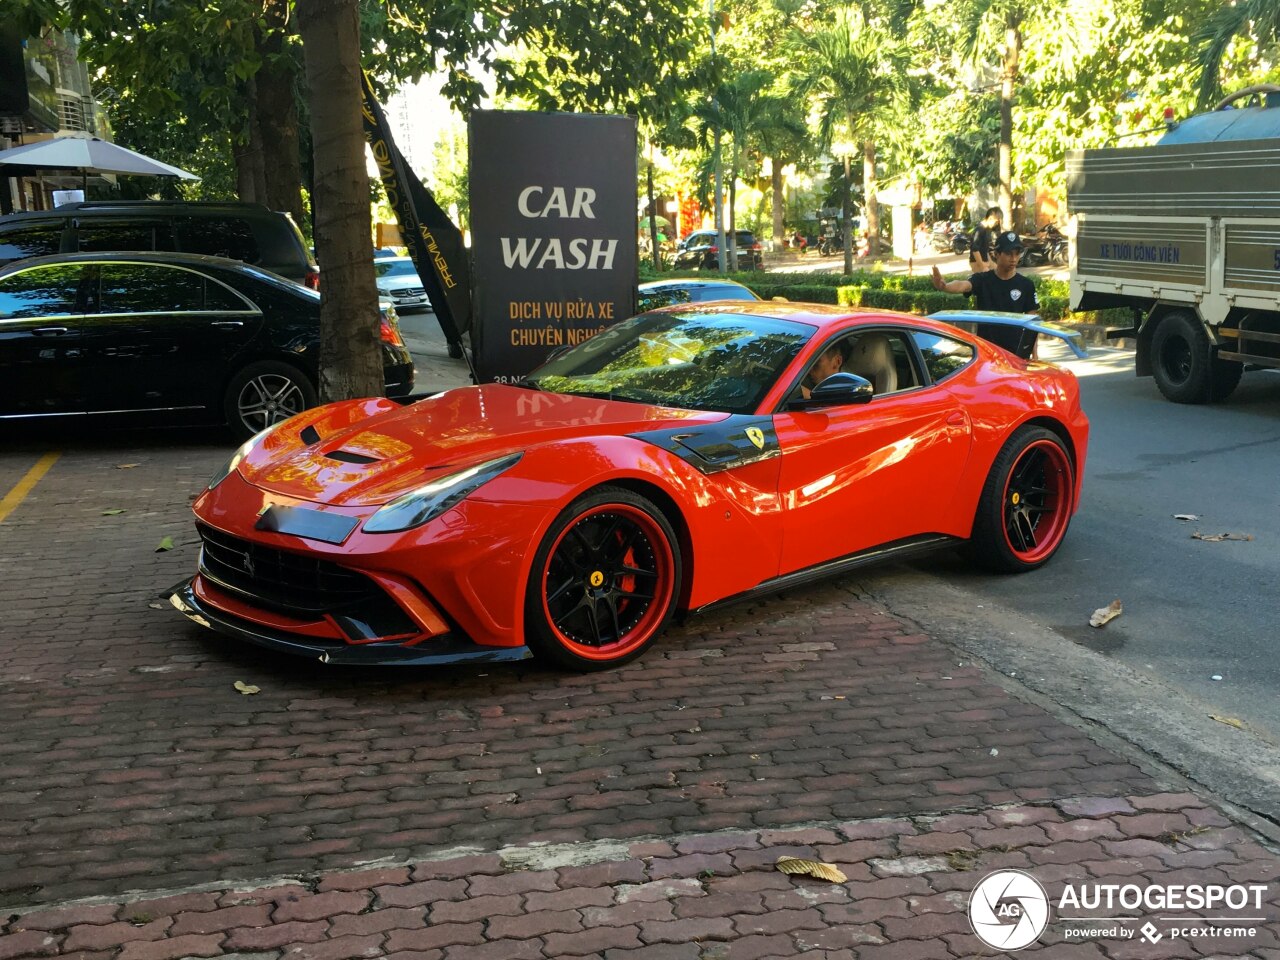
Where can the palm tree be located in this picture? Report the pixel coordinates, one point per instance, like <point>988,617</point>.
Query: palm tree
<point>1259,19</point>
<point>849,72</point>
<point>744,112</point>
<point>1003,26</point>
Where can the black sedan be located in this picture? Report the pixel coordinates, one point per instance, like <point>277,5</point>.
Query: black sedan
<point>123,333</point>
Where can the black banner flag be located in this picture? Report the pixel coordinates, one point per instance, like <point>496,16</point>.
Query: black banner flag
<point>434,242</point>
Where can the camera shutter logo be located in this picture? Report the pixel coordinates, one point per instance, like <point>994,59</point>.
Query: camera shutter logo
<point>1008,910</point>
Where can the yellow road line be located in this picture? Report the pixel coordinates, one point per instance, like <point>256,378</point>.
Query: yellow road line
<point>23,486</point>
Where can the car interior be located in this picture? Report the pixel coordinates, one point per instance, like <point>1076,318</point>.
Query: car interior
<point>882,357</point>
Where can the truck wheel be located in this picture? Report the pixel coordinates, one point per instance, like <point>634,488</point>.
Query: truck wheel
<point>1226,377</point>
<point>1180,359</point>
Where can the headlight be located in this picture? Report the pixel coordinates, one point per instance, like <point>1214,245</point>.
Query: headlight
<point>416,507</point>
<point>241,452</point>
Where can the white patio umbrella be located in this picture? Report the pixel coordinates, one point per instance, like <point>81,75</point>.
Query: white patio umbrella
<point>89,155</point>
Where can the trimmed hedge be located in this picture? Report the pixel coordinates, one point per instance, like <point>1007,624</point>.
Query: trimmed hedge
<point>890,291</point>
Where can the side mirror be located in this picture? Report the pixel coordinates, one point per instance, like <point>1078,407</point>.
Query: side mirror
<point>838,390</point>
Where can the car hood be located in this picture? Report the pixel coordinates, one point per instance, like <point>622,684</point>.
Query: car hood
<point>368,452</point>
<point>400,283</point>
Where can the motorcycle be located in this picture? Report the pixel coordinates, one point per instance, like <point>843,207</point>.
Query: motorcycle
<point>1046,245</point>
<point>828,246</point>
<point>949,237</point>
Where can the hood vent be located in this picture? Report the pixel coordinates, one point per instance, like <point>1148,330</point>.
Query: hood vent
<point>346,456</point>
<point>310,435</point>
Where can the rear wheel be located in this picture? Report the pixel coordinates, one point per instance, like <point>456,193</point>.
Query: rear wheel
<point>604,581</point>
<point>1181,362</point>
<point>1026,502</point>
<point>265,393</point>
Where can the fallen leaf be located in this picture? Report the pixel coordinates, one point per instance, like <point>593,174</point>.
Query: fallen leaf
<point>165,544</point>
<point>248,689</point>
<point>1186,516</point>
<point>127,466</point>
<point>1219,537</point>
<point>811,868</point>
<point>1229,721</point>
<point>113,512</point>
<point>1104,615</point>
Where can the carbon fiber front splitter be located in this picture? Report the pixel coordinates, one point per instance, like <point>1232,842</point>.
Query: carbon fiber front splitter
<point>446,649</point>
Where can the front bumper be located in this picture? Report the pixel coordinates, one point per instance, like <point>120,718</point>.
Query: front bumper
<point>440,650</point>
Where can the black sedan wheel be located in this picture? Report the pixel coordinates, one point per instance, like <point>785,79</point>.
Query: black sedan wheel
<point>604,581</point>
<point>266,393</point>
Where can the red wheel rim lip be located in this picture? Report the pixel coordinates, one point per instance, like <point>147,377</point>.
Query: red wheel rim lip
<point>644,629</point>
<point>1059,481</point>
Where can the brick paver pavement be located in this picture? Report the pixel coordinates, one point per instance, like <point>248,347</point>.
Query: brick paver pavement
<point>400,812</point>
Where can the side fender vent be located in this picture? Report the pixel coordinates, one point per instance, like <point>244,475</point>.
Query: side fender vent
<point>310,435</point>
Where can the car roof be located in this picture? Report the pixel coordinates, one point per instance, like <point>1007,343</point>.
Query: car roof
<point>137,256</point>
<point>820,315</point>
<point>657,285</point>
<point>208,208</point>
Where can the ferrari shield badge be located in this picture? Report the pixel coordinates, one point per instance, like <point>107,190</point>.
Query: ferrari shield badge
<point>756,436</point>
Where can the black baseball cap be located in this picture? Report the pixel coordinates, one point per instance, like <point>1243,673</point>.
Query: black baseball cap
<point>1008,241</point>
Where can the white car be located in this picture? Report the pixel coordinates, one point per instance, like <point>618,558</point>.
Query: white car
<point>399,280</point>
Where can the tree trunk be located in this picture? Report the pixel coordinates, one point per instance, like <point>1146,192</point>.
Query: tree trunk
<point>278,116</point>
<point>653,223</point>
<point>779,204</point>
<point>846,207</point>
<point>350,356</point>
<point>1008,76</point>
<point>732,237</point>
<point>870,207</point>
<point>251,177</point>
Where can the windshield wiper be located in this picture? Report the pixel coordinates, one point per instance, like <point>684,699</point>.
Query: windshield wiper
<point>526,383</point>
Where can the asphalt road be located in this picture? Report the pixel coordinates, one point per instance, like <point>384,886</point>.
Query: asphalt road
<point>1193,610</point>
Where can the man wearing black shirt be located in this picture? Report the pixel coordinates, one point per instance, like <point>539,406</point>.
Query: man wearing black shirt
<point>1002,290</point>
<point>984,241</point>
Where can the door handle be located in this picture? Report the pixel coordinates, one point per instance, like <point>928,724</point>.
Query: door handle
<point>956,419</point>
<point>227,324</point>
<point>49,331</point>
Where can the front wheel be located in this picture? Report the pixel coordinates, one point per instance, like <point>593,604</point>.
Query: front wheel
<point>265,393</point>
<point>1026,502</point>
<point>604,581</point>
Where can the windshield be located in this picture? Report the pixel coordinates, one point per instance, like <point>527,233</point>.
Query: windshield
<point>394,268</point>
<point>693,360</point>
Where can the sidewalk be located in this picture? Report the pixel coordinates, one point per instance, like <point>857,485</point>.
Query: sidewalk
<point>152,811</point>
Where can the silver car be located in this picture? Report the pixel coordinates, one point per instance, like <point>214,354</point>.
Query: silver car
<point>399,280</point>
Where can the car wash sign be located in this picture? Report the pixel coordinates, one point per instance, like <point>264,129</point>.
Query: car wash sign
<point>553,209</point>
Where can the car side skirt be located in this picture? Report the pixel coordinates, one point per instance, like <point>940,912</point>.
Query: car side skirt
<point>898,550</point>
<point>438,651</point>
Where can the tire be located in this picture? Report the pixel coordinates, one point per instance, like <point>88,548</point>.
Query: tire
<point>264,393</point>
<point>1026,503</point>
<point>1226,377</point>
<point>959,245</point>
<point>1180,358</point>
<point>586,607</point>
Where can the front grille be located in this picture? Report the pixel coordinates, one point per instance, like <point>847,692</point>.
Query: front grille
<point>298,585</point>
<point>407,292</point>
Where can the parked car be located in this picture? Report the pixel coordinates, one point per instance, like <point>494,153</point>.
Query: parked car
<point>399,282</point>
<point>667,293</point>
<point>116,333</point>
<point>698,251</point>
<point>672,463</point>
<point>240,231</point>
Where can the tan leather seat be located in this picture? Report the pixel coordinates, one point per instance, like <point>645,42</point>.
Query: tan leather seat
<point>872,359</point>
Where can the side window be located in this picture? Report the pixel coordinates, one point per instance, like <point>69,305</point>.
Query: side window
<point>218,237</point>
<point>100,233</point>
<point>149,288</point>
<point>36,239</point>
<point>884,358</point>
<point>218,299</point>
<point>47,291</point>
<point>943,356</point>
